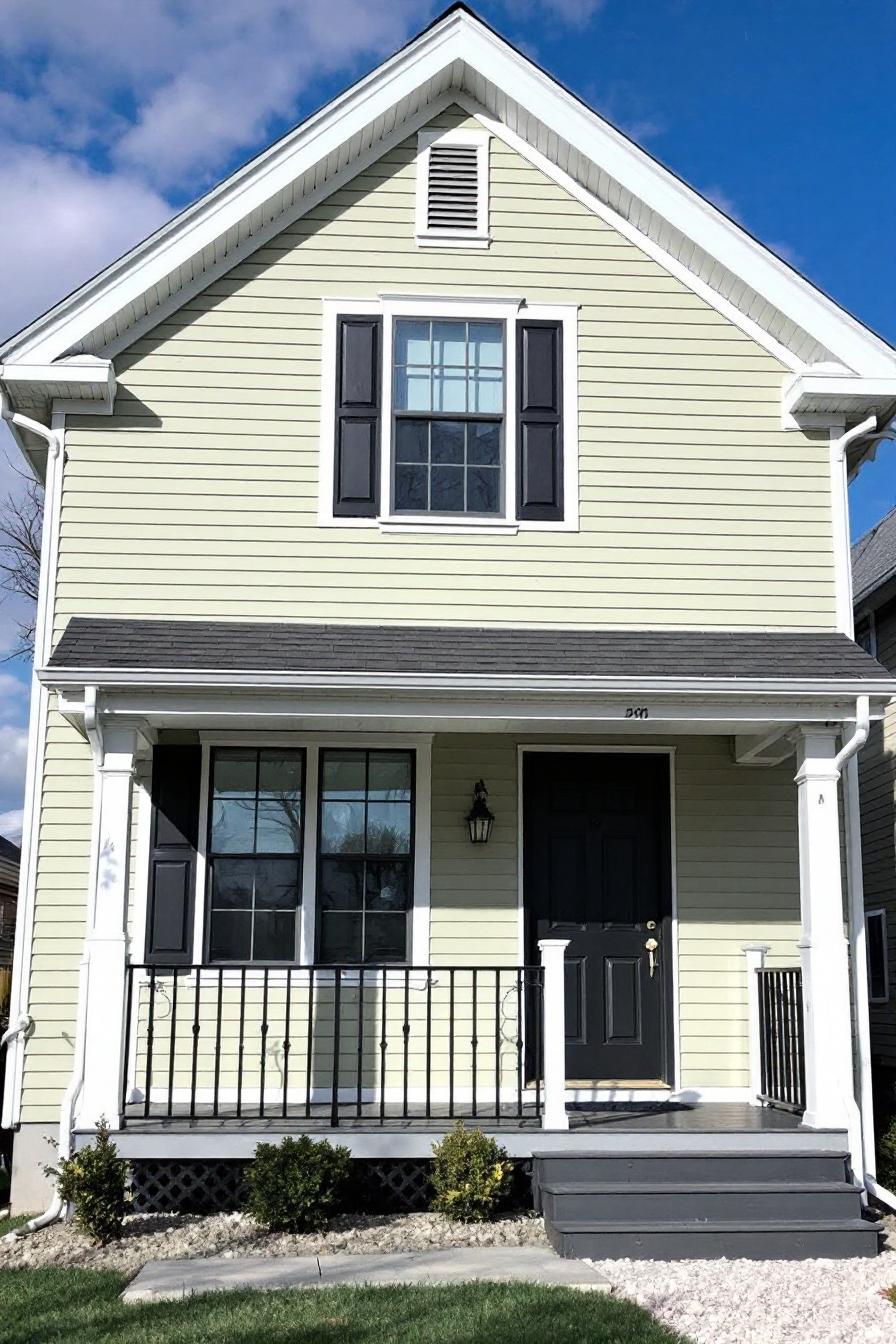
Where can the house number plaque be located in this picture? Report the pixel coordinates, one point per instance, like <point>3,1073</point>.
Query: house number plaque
<point>637,712</point>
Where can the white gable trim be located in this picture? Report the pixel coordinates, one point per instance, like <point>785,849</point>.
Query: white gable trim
<point>443,53</point>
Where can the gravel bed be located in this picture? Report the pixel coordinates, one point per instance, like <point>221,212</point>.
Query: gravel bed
<point>764,1301</point>
<point>169,1236</point>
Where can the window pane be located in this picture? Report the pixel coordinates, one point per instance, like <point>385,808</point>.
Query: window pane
<point>412,342</point>
<point>344,774</point>
<point>231,935</point>
<point>389,775</point>
<point>484,445</point>
<point>233,802</point>
<point>388,828</point>
<point>448,441</point>
<point>483,490</point>
<point>411,485</point>
<point>342,828</point>
<point>232,881</point>
<point>486,394</point>
<point>276,884</point>
<point>387,886</point>
<point>275,936</point>
<point>446,489</point>
<point>386,937</point>
<point>279,827</point>
<point>341,884</point>
<point>411,440</point>
<point>340,937</point>
<point>486,345</point>
<point>413,390</point>
<point>449,344</point>
<point>449,391</point>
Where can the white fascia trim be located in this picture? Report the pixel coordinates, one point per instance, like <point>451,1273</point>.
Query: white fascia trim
<point>429,237</point>
<point>510,309</point>
<point>830,394</point>
<point>87,381</point>
<point>458,37</point>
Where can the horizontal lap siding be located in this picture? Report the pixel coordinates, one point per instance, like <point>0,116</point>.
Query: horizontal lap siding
<point>877,785</point>
<point>202,488</point>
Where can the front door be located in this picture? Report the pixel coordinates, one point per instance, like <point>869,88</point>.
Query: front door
<point>597,870</point>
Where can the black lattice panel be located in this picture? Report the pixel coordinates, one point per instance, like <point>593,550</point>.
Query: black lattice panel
<point>187,1187</point>
<point>392,1186</point>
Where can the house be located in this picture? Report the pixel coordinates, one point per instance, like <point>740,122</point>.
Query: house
<point>9,890</point>
<point>874,585</point>
<point>445,692</point>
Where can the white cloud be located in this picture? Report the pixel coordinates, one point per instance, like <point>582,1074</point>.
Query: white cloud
<point>11,824</point>
<point>13,753</point>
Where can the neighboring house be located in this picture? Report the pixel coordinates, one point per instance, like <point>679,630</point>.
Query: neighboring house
<point>453,439</point>
<point>9,891</point>
<point>874,594</point>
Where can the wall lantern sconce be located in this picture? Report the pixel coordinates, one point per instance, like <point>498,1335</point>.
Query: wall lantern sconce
<point>479,818</point>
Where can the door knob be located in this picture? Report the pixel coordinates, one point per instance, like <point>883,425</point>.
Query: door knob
<point>651,945</point>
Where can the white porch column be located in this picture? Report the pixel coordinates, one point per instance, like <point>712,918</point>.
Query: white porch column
<point>553,1044</point>
<point>830,1099</point>
<point>105,946</point>
<point>755,954</point>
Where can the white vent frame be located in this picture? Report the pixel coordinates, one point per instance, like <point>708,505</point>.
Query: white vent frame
<point>453,238</point>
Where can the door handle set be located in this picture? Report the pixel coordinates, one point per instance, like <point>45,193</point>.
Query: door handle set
<point>652,946</point>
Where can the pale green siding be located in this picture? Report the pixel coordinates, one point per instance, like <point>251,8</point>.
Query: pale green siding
<point>198,497</point>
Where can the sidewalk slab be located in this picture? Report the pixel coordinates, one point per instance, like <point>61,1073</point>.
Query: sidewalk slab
<point>167,1280</point>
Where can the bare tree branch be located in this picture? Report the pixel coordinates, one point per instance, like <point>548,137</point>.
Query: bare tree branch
<point>21,522</point>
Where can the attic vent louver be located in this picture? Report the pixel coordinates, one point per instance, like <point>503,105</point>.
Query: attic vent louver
<point>452,189</point>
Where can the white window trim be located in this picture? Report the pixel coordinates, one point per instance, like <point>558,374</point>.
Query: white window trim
<point>870,617</point>
<point>424,235</point>
<point>420,743</point>
<point>880,914</point>
<point>510,311</point>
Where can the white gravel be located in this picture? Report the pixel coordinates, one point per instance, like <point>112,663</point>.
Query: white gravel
<point>169,1236</point>
<point>763,1301</point>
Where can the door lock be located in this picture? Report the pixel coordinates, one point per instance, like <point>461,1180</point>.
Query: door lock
<point>651,945</point>
<point>651,924</point>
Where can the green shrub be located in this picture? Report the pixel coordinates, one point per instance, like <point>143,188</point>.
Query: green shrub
<point>297,1185</point>
<point>94,1180</point>
<point>472,1176</point>
<point>886,1155</point>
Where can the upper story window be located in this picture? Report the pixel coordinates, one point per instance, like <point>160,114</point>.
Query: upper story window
<point>448,405</point>
<point>443,413</point>
<point>878,956</point>
<point>866,635</point>
<point>452,189</point>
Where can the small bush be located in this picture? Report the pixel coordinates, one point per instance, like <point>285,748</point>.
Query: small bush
<point>889,1294</point>
<point>472,1176</point>
<point>886,1155</point>
<point>94,1180</point>
<point>297,1185</point>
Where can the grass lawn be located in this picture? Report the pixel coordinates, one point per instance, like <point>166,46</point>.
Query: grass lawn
<point>81,1306</point>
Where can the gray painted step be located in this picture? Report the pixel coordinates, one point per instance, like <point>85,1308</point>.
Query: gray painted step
<point>700,1202</point>
<point>660,1168</point>
<point>836,1240</point>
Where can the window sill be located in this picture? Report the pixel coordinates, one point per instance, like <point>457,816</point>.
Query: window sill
<point>440,523</point>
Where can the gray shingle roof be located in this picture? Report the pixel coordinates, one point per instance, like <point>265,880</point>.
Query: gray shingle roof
<point>94,643</point>
<point>874,558</point>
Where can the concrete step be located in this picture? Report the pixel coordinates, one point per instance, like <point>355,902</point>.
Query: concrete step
<point>659,1168</point>
<point>700,1202</point>
<point>657,1240</point>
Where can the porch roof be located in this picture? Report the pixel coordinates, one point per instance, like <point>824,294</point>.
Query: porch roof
<point>91,648</point>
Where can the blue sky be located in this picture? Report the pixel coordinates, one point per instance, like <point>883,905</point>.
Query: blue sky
<point>113,115</point>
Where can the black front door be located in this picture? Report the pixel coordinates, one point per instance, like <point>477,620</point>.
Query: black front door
<point>597,870</point>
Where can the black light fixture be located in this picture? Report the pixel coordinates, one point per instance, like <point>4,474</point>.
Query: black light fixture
<point>479,818</point>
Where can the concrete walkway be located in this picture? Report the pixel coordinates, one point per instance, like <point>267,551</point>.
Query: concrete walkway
<point>168,1279</point>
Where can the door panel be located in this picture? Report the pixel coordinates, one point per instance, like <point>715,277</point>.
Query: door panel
<point>597,870</point>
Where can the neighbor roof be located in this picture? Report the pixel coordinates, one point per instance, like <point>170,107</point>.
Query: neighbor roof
<point>95,646</point>
<point>458,58</point>
<point>874,559</point>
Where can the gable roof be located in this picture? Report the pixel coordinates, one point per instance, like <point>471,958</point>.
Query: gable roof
<point>874,562</point>
<point>458,58</point>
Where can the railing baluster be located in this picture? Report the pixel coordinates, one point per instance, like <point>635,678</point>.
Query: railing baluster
<point>383,1043</point>
<point>264,1042</point>
<point>217,1087</point>
<point>406,1031</point>
<point>150,1033</point>
<point>451,1044</point>
<point>337,1013</point>
<point>309,1043</point>
<point>360,1063</point>
<point>519,1043</point>
<point>241,1044</point>
<point>197,982</point>
<point>286,1041</point>
<point>474,1042</point>
<point>129,1007</point>
<point>172,1047</point>
<point>781,1044</point>
<point>428,1111</point>
<point>497,1044</point>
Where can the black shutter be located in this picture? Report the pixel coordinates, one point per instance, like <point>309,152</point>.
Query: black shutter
<point>539,426</point>
<point>358,378</point>
<point>172,857</point>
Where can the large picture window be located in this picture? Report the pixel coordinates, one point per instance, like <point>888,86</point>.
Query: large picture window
<point>448,403</point>
<point>255,854</point>
<point>365,860</point>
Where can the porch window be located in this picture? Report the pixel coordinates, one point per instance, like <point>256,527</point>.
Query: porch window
<point>877,952</point>
<point>365,855</point>
<point>448,401</point>
<point>255,854</point>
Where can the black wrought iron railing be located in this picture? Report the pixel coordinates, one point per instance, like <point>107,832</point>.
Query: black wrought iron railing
<point>333,1044</point>
<point>781,1041</point>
